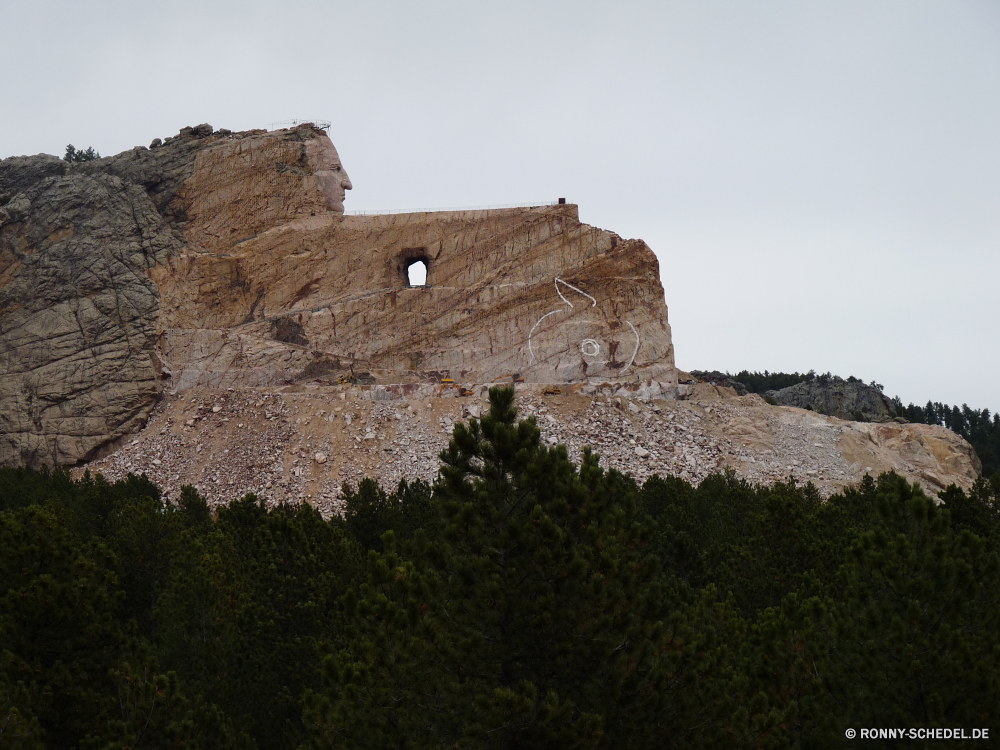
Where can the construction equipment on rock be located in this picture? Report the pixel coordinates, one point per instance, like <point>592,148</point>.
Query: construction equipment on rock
<point>447,383</point>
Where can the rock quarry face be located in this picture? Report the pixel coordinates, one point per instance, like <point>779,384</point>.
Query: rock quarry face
<point>186,311</point>
<point>220,259</point>
<point>521,291</point>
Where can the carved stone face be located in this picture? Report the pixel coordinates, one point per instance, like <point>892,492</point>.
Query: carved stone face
<point>330,173</point>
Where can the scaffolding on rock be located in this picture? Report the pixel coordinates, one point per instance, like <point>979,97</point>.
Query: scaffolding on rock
<point>321,124</point>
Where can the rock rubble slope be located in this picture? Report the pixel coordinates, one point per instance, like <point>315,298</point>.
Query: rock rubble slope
<point>303,443</point>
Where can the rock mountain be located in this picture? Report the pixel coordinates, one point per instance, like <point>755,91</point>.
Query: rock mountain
<point>219,259</point>
<point>187,310</point>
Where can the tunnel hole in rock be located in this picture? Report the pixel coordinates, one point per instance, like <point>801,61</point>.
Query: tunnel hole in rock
<point>416,273</point>
<point>415,266</point>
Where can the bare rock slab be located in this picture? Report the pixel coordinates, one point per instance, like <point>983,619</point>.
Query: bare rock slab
<point>218,259</point>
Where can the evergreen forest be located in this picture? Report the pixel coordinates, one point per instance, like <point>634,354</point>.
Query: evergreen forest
<point>522,601</point>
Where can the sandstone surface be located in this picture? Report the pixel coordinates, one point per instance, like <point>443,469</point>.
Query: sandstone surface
<point>219,259</point>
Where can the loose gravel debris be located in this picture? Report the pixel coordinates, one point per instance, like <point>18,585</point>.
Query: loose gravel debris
<point>304,444</point>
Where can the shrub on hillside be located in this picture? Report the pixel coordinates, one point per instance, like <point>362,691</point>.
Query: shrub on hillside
<point>74,155</point>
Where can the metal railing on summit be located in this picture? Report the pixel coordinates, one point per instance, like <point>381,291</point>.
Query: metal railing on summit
<point>322,124</point>
<point>380,212</point>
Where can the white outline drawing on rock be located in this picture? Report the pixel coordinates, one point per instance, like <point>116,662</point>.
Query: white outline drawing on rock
<point>530,350</point>
<point>559,281</point>
<point>593,302</point>
<point>636,346</point>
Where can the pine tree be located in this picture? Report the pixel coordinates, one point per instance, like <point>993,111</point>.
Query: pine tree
<point>250,603</point>
<point>79,155</point>
<point>370,512</point>
<point>19,727</point>
<point>57,628</point>
<point>909,638</point>
<point>531,616</point>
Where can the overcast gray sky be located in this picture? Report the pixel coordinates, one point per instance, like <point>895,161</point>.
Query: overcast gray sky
<point>820,181</point>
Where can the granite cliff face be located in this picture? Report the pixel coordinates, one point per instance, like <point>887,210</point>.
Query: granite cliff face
<point>219,267</point>
<point>223,259</point>
<point>836,397</point>
<point>77,310</point>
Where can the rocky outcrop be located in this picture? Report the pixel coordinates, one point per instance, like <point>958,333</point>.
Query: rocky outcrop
<point>722,379</point>
<point>223,259</point>
<point>836,397</point>
<point>217,269</point>
<point>77,310</point>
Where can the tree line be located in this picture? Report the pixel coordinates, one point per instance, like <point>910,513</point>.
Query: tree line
<point>521,601</point>
<point>761,382</point>
<point>76,155</point>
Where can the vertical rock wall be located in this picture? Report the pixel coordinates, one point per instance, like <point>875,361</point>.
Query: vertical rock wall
<point>215,259</point>
<point>530,291</point>
<point>77,315</point>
